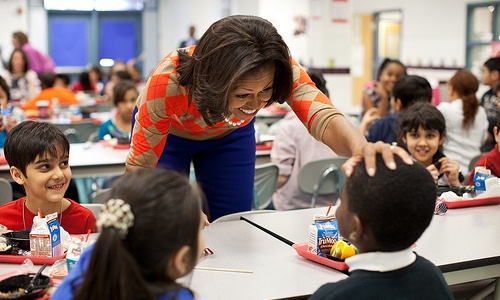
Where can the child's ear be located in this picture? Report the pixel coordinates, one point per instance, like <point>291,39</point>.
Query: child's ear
<point>398,105</point>
<point>178,264</point>
<point>356,231</point>
<point>495,133</point>
<point>17,175</point>
<point>441,139</point>
<point>495,74</point>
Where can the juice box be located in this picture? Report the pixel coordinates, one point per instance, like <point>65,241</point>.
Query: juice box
<point>323,233</point>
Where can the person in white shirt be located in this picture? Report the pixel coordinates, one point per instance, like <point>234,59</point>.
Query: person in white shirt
<point>293,147</point>
<point>466,121</point>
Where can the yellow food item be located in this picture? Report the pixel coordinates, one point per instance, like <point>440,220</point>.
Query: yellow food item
<point>342,250</point>
<point>348,252</point>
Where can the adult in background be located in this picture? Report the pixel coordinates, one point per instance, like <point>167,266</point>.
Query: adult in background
<point>22,81</point>
<point>191,40</point>
<point>38,61</point>
<point>199,107</point>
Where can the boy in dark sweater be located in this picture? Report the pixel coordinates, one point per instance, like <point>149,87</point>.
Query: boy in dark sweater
<point>383,216</point>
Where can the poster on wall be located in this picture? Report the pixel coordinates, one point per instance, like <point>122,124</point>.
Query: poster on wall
<point>338,11</point>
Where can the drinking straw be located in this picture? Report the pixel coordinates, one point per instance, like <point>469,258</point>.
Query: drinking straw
<point>39,212</point>
<point>329,207</point>
<point>87,237</point>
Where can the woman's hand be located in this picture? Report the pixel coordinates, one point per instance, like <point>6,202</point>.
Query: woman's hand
<point>451,169</point>
<point>434,172</point>
<point>369,152</point>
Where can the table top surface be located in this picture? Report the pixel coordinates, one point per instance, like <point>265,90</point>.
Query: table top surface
<point>462,238</point>
<point>277,270</point>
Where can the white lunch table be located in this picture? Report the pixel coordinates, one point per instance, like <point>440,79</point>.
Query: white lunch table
<point>277,271</point>
<point>464,243</point>
<point>97,159</point>
<point>263,267</point>
<point>89,160</point>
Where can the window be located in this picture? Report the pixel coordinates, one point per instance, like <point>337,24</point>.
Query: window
<point>89,5</point>
<point>79,39</point>
<point>483,30</point>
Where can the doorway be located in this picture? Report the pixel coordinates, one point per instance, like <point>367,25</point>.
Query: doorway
<point>387,36</point>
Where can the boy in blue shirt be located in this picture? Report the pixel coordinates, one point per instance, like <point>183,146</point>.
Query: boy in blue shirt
<point>407,90</point>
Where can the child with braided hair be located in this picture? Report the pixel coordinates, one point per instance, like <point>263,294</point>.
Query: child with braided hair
<point>150,235</point>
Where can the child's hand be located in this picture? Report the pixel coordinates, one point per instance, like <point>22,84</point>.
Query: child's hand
<point>205,219</point>
<point>384,98</point>
<point>434,171</point>
<point>10,124</point>
<point>380,90</point>
<point>371,115</point>
<point>452,169</point>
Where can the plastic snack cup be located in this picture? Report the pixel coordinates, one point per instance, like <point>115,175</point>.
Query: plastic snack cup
<point>43,111</point>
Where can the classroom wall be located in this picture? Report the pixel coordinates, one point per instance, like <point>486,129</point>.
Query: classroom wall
<point>433,32</point>
<point>12,20</point>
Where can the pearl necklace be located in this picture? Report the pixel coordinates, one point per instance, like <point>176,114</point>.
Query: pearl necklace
<point>237,123</point>
<point>60,213</point>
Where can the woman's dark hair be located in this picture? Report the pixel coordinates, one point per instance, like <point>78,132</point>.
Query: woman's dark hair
<point>30,139</point>
<point>5,87</point>
<point>427,116</point>
<point>231,49</point>
<point>120,89</point>
<point>84,80</point>
<point>465,85</point>
<point>396,206</point>
<point>167,212</point>
<point>385,63</point>
<point>25,59</point>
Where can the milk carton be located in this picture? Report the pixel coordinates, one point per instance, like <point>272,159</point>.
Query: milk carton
<point>323,233</point>
<point>45,236</point>
<point>480,176</point>
<point>76,247</point>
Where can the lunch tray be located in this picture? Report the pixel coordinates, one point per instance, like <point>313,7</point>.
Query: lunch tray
<point>301,249</point>
<point>472,202</point>
<point>37,260</point>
